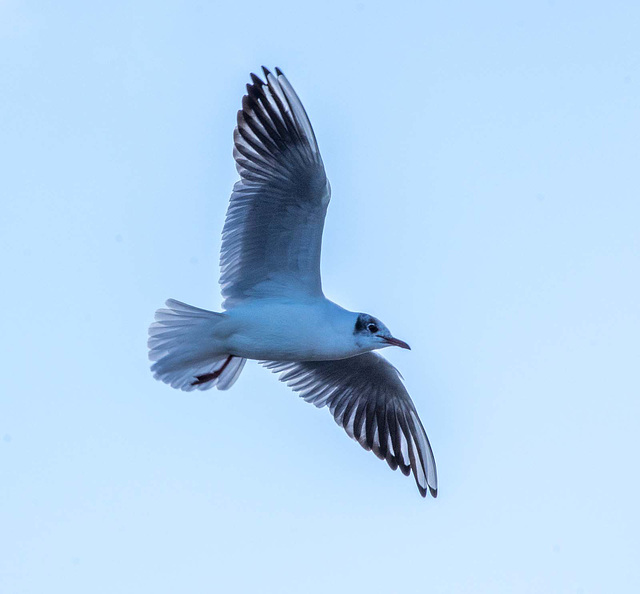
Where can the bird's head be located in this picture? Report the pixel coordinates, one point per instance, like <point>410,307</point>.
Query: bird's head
<point>370,333</point>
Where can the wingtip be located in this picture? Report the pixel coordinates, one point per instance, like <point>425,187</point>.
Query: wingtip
<point>256,79</point>
<point>433,492</point>
<point>266,72</point>
<point>279,72</point>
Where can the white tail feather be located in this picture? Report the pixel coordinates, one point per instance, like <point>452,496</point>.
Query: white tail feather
<point>185,352</point>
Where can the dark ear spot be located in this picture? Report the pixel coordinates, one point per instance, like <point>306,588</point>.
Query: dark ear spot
<point>361,324</point>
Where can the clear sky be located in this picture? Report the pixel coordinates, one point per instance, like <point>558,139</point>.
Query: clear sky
<point>484,159</point>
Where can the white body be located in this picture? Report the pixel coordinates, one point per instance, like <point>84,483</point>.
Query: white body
<point>314,329</point>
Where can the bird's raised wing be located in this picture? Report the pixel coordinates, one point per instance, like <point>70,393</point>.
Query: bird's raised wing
<point>368,399</point>
<point>272,235</point>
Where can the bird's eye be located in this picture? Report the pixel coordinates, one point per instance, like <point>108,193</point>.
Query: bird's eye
<point>372,328</point>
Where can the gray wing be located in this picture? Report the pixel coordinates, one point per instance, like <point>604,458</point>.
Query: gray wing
<point>272,235</point>
<point>368,399</point>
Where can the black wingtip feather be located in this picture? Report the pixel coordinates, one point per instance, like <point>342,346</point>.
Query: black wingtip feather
<point>278,71</point>
<point>434,492</point>
<point>266,72</point>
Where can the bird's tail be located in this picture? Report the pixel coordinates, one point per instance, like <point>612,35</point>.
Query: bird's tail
<point>184,349</point>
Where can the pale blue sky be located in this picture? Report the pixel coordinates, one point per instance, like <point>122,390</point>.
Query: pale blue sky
<point>484,164</point>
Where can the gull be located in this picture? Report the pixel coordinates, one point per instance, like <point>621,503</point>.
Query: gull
<point>274,308</point>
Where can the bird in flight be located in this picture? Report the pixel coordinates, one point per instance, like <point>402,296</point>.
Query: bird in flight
<point>274,307</point>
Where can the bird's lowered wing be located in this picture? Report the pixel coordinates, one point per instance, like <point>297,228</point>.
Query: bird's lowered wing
<point>368,399</point>
<point>272,235</point>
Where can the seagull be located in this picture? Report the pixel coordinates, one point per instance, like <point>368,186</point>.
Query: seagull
<point>274,309</point>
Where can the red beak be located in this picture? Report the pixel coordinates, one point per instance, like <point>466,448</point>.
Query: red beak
<point>396,342</point>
